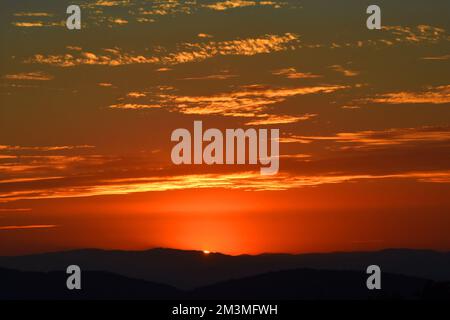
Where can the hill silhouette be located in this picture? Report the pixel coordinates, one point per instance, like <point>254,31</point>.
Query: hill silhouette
<point>192,269</point>
<point>299,284</point>
<point>19,285</point>
<point>309,284</point>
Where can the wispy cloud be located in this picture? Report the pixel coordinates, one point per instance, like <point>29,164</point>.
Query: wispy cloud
<point>250,101</point>
<point>192,52</point>
<point>15,209</point>
<point>393,36</point>
<point>109,57</point>
<point>37,76</point>
<point>135,94</point>
<point>443,57</point>
<point>420,33</point>
<point>28,227</point>
<point>134,106</point>
<point>292,73</point>
<point>432,95</point>
<point>269,119</point>
<point>232,4</point>
<point>37,24</point>
<point>380,138</point>
<point>33,14</point>
<point>42,164</point>
<point>219,76</point>
<point>42,148</point>
<point>345,71</point>
<point>105,84</point>
<point>204,35</point>
<point>110,3</point>
<point>249,181</point>
<point>245,47</point>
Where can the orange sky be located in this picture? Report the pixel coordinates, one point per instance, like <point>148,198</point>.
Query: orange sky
<point>86,119</point>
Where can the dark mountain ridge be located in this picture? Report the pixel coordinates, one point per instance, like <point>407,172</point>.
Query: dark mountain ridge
<point>299,284</point>
<point>192,269</point>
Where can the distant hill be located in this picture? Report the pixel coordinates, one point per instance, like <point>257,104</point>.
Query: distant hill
<point>309,284</point>
<point>19,285</point>
<point>300,284</point>
<point>192,269</point>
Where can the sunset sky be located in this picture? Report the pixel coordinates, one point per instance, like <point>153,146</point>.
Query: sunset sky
<point>86,118</point>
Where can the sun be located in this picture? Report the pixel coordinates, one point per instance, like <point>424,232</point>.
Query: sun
<point>206,252</point>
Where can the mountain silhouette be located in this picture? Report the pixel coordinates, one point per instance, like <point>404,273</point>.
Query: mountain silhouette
<point>192,269</point>
<point>19,285</point>
<point>299,284</point>
<point>309,284</point>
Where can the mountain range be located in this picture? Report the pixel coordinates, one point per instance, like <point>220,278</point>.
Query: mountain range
<point>187,270</point>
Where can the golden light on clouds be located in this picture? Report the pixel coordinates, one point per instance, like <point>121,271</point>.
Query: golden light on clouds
<point>251,101</point>
<point>35,76</point>
<point>432,95</point>
<point>28,227</point>
<point>292,73</point>
<point>375,138</point>
<point>247,181</point>
<point>193,52</point>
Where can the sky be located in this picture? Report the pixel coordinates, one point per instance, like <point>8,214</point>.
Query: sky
<point>86,118</point>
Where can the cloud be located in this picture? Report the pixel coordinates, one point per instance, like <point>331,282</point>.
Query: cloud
<point>136,94</point>
<point>344,71</point>
<point>249,181</point>
<point>37,24</point>
<point>74,48</point>
<point>292,73</point>
<point>37,76</point>
<point>392,36</point>
<point>350,107</point>
<point>43,148</point>
<point>164,8</point>
<point>420,33</point>
<point>134,106</point>
<point>232,4</point>
<point>268,119</point>
<point>28,24</point>
<point>249,101</point>
<point>15,209</point>
<point>204,35</point>
<point>105,84</point>
<point>44,163</point>
<point>33,14</point>
<point>110,57</point>
<point>33,179</point>
<point>20,164</point>
<point>380,138</point>
<point>443,57</point>
<point>432,95</point>
<point>220,76</point>
<point>241,47</point>
<point>27,227</point>
<point>111,3</point>
<point>302,156</point>
<point>191,52</point>
<point>119,21</point>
